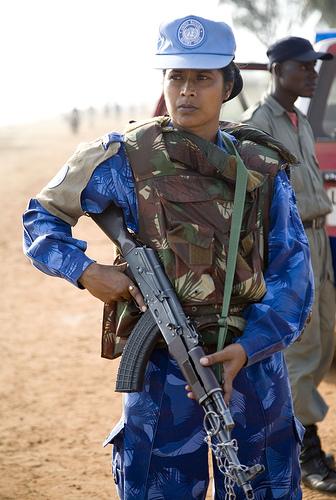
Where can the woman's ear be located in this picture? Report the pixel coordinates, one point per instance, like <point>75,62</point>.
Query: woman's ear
<point>227,90</point>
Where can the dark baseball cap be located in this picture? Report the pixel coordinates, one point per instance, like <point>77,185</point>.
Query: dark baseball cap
<point>296,49</point>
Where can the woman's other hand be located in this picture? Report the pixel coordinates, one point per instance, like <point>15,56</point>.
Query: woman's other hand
<point>233,358</point>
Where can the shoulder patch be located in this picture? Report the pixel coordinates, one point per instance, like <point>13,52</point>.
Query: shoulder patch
<point>62,196</point>
<point>59,177</point>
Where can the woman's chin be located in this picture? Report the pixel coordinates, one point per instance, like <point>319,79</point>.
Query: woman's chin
<point>186,121</point>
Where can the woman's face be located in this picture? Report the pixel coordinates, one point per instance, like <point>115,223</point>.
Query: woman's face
<point>194,98</point>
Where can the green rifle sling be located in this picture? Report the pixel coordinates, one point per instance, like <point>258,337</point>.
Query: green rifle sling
<point>237,217</point>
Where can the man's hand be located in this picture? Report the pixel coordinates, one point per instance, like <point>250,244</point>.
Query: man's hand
<point>108,284</point>
<point>233,357</point>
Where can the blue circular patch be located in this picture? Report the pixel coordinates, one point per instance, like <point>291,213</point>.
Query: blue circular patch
<point>191,33</point>
<point>59,177</point>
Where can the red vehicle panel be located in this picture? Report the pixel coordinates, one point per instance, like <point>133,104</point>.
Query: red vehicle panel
<point>321,112</point>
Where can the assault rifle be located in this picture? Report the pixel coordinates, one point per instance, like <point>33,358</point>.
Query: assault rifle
<point>166,317</point>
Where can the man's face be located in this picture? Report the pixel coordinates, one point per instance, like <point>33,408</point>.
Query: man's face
<point>298,78</point>
<point>194,97</point>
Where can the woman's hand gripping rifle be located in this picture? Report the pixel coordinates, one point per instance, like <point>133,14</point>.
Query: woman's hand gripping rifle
<point>166,317</point>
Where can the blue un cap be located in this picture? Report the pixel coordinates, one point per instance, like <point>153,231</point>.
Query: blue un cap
<point>193,42</point>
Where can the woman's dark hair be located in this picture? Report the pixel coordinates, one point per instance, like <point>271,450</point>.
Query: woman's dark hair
<point>229,72</point>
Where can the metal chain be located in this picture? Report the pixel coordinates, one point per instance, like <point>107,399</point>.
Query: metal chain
<point>218,449</point>
<point>224,467</point>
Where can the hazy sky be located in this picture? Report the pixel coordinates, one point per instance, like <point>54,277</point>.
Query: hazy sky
<point>57,54</point>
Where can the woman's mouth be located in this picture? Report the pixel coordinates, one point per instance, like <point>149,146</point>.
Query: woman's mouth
<point>188,108</point>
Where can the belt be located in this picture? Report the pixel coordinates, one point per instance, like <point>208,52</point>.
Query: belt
<point>204,310</point>
<point>316,223</point>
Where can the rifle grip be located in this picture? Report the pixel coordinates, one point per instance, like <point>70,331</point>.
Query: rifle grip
<point>137,351</point>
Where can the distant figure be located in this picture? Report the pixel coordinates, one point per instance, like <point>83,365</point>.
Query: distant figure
<point>117,109</point>
<point>132,110</point>
<point>91,115</point>
<point>107,110</point>
<point>74,120</point>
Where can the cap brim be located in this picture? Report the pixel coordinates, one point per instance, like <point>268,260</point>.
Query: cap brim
<point>311,55</point>
<point>191,61</point>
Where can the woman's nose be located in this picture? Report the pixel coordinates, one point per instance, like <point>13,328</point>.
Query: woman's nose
<point>188,88</point>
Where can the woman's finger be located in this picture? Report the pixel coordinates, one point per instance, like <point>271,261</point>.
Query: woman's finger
<point>190,394</point>
<point>137,296</point>
<point>227,387</point>
<point>212,359</point>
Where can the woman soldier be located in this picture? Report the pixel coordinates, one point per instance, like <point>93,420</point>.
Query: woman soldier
<point>174,178</point>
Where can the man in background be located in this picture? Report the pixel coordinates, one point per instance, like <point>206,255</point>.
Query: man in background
<point>292,64</point>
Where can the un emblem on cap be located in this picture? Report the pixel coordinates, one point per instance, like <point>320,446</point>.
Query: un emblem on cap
<point>191,33</point>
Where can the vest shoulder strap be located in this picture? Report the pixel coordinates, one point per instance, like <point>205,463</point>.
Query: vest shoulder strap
<point>245,133</point>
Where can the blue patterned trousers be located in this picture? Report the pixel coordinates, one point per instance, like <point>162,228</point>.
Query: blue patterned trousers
<point>159,450</point>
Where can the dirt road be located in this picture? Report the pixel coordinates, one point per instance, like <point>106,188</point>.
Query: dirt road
<point>57,394</point>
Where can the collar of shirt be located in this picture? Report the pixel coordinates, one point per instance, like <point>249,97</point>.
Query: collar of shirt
<point>276,107</point>
<point>219,139</point>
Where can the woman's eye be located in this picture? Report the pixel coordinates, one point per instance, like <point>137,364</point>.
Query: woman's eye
<point>175,77</point>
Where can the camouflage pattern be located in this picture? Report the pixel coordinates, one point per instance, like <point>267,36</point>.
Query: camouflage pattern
<point>248,135</point>
<point>185,189</point>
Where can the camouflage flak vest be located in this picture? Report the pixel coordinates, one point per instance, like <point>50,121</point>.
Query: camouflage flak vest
<point>185,189</point>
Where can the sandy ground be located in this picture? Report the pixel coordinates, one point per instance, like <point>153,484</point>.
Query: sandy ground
<point>57,395</point>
